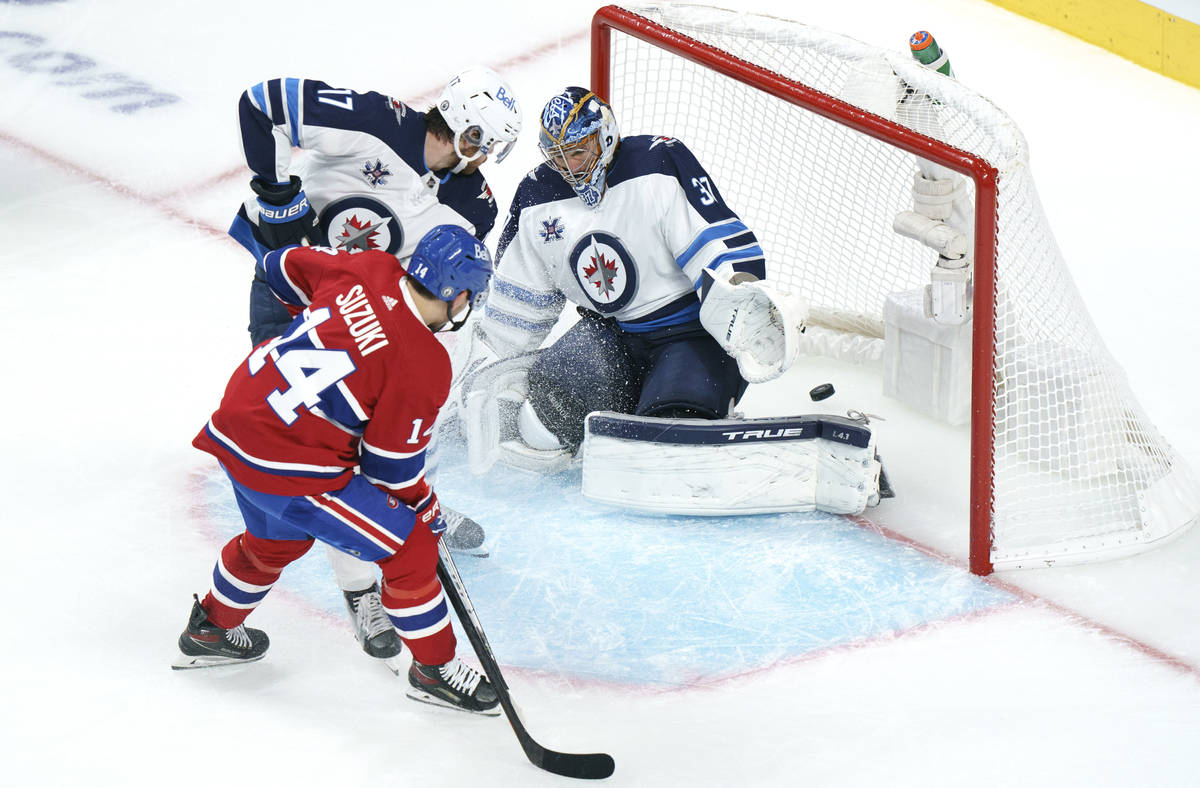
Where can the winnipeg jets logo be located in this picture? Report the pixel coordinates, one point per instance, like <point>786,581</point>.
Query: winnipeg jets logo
<point>357,235</point>
<point>662,141</point>
<point>399,108</point>
<point>602,273</point>
<point>376,173</point>
<point>552,230</point>
<point>359,223</point>
<point>486,194</point>
<point>605,271</point>
<point>556,114</point>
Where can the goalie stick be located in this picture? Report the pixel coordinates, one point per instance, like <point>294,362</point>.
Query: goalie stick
<point>589,766</point>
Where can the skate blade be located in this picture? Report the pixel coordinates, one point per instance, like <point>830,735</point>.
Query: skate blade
<point>434,700</point>
<point>397,665</point>
<point>185,662</point>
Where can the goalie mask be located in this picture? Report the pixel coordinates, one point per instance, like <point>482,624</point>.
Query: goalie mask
<point>482,111</point>
<point>449,260</point>
<point>578,139</point>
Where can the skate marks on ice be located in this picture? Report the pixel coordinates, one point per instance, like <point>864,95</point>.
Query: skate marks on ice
<point>578,589</point>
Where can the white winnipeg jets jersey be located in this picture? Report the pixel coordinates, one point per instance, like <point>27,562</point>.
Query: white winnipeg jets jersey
<point>637,257</point>
<point>363,171</point>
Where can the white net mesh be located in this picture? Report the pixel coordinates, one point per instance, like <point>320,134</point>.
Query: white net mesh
<point>1079,471</point>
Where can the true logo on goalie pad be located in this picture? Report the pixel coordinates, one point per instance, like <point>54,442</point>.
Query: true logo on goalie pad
<point>605,271</point>
<point>831,428</point>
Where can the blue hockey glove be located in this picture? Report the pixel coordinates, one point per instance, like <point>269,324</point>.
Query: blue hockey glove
<point>284,216</point>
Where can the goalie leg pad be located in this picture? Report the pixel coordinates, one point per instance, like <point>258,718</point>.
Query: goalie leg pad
<point>690,377</point>
<point>730,466</point>
<point>589,368</point>
<point>490,397</point>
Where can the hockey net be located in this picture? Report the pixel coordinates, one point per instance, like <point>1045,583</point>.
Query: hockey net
<point>801,130</point>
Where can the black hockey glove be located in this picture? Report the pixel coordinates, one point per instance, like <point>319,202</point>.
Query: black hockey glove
<point>284,216</point>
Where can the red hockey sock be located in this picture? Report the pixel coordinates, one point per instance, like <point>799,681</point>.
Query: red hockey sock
<point>413,598</point>
<point>248,568</point>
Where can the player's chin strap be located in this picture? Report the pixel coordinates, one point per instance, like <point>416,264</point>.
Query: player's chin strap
<point>466,313</point>
<point>731,466</point>
<point>754,323</point>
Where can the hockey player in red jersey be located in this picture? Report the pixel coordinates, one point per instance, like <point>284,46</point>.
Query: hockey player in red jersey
<point>323,433</point>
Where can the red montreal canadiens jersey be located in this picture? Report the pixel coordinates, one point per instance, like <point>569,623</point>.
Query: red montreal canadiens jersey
<point>356,381</point>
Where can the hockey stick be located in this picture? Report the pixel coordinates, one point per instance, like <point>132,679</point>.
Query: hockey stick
<point>590,766</point>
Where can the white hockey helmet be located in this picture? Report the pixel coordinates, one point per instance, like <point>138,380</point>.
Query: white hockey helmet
<point>481,110</point>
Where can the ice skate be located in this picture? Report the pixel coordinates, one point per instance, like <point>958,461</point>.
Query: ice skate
<point>455,685</point>
<point>372,627</point>
<point>463,535</point>
<point>204,645</point>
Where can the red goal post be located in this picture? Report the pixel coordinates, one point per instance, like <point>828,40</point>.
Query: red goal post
<point>734,48</point>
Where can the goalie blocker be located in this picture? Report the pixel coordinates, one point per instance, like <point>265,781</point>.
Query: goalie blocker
<point>731,466</point>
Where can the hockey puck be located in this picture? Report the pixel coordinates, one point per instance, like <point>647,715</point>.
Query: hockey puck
<point>823,391</point>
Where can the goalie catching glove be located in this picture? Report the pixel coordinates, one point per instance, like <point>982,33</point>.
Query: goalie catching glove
<point>758,326</point>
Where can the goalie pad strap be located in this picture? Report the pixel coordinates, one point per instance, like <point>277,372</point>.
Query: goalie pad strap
<point>730,466</point>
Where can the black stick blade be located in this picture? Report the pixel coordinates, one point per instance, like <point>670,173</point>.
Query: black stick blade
<point>590,766</point>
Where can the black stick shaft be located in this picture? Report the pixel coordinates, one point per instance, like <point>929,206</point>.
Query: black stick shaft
<point>590,766</point>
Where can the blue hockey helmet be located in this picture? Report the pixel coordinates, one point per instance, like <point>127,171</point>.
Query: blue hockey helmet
<point>578,138</point>
<point>449,260</point>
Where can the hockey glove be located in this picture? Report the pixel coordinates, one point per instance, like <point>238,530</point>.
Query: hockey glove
<point>429,512</point>
<point>757,325</point>
<point>284,216</point>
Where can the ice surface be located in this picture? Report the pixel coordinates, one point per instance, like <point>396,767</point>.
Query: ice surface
<point>779,650</point>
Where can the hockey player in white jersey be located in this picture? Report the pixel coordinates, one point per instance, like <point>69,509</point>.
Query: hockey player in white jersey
<point>675,318</point>
<point>378,174</point>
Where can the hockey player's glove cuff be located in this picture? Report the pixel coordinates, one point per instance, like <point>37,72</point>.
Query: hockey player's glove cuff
<point>285,217</point>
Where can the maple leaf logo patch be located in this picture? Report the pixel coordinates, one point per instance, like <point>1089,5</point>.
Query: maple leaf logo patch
<point>605,270</point>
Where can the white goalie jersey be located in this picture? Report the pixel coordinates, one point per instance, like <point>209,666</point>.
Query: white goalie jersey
<point>637,257</point>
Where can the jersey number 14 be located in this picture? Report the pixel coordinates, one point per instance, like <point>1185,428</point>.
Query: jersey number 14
<point>308,371</point>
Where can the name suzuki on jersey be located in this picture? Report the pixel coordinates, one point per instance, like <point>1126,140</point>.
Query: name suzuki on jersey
<point>360,319</point>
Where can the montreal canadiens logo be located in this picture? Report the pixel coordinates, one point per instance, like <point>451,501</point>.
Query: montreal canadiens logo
<point>605,271</point>
<point>356,224</point>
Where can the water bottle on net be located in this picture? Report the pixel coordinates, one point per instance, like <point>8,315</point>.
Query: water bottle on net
<point>926,51</point>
